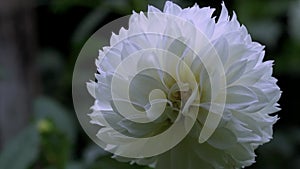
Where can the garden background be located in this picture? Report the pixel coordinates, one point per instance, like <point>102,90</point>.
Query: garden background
<point>40,41</point>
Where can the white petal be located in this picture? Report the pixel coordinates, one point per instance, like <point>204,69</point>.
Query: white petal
<point>172,8</point>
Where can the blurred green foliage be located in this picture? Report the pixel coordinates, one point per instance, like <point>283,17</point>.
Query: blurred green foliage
<point>54,139</point>
<point>22,151</point>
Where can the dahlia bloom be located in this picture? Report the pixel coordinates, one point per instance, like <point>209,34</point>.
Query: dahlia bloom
<point>182,89</point>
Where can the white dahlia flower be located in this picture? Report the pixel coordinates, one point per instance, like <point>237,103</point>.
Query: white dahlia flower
<point>182,89</point>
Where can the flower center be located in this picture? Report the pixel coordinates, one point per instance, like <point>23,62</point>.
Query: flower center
<point>179,96</point>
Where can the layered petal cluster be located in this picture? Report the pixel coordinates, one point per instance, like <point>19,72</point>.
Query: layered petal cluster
<point>142,90</point>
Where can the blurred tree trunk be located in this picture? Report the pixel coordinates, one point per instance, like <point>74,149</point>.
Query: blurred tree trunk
<point>17,48</point>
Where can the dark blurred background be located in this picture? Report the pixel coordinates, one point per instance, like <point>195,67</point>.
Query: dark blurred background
<point>40,41</point>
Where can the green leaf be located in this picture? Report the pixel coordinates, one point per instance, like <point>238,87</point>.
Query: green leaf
<point>147,168</point>
<point>56,148</point>
<point>75,165</point>
<point>47,108</point>
<point>22,151</point>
